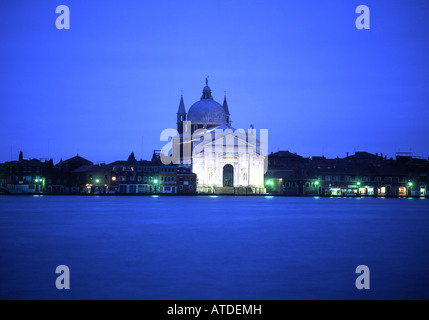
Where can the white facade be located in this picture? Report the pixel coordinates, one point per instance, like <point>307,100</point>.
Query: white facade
<point>220,155</point>
<point>211,155</point>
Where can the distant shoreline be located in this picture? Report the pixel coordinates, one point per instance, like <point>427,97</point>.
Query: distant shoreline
<point>207,195</point>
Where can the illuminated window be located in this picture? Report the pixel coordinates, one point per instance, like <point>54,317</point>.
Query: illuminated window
<point>132,168</point>
<point>402,191</point>
<point>113,178</point>
<point>124,168</point>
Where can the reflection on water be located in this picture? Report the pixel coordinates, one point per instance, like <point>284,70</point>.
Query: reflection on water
<point>218,247</point>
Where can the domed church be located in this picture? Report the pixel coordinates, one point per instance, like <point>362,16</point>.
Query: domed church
<point>223,158</point>
<point>205,113</point>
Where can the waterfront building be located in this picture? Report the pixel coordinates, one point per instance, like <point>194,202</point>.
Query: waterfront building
<point>25,175</point>
<point>92,179</point>
<point>362,174</point>
<point>224,159</point>
<point>139,177</point>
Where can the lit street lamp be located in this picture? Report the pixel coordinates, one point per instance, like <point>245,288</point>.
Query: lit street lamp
<point>156,182</point>
<point>269,183</point>
<point>410,187</point>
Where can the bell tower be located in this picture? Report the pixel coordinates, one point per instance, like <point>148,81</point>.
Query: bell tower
<point>181,115</point>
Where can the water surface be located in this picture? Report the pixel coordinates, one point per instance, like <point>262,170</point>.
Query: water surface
<point>180,247</point>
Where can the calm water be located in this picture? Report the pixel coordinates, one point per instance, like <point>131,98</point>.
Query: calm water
<point>213,247</point>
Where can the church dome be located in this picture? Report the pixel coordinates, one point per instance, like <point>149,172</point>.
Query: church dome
<point>207,111</point>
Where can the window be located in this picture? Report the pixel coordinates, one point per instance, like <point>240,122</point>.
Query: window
<point>190,187</point>
<point>180,187</point>
<point>139,178</point>
<point>145,179</point>
<point>402,191</point>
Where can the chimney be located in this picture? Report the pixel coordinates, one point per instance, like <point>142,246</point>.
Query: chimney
<point>347,154</point>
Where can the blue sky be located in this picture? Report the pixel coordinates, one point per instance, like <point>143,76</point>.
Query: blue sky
<point>300,69</point>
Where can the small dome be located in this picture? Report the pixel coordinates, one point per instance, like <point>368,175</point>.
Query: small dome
<point>207,111</point>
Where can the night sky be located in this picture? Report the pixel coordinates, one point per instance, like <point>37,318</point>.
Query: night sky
<point>300,69</point>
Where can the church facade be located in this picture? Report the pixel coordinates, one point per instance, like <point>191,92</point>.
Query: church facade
<point>221,156</point>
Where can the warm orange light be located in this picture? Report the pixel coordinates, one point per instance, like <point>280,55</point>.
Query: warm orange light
<point>113,178</point>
